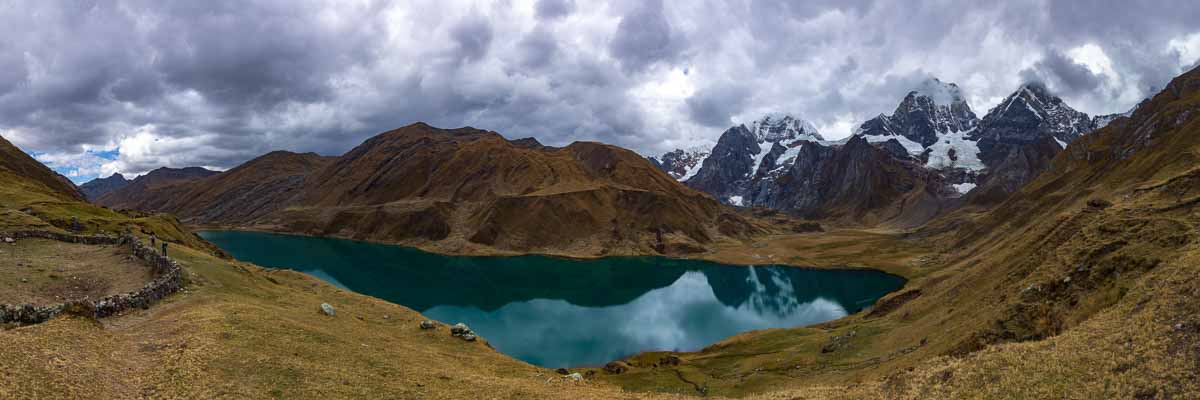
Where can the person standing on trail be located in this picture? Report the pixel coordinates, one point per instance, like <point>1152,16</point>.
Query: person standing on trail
<point>164,247</point>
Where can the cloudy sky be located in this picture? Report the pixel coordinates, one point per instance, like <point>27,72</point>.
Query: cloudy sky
<point>97,87</point>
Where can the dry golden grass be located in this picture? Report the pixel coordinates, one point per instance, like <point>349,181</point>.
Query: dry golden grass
<point>885,250</point>
<point>44,272</point>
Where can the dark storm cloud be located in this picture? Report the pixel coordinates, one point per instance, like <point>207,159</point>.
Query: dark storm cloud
<point>94,71</point>
<point>249,54</point>
<point>473,36</point>
<point>1133,33</point>
<point>538,48</point>
<point>551,9</point>
<point>1062,74</point>
<point>644,37</point>
<point>218,82</point>
<point>713,106</point>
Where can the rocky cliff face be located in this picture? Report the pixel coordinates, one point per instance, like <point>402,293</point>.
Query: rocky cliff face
<point>681,164</point>
<point>1018,138</point>
<point>744,155</point>
<point>859,181</point>
<point>101,186</point>
<point>728,168</point>
<point>877,175</point>
<point>924,117</point>
<point>1030,114</point>
<point>933,149</point>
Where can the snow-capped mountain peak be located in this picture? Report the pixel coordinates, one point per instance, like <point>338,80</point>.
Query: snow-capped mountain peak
<point>1103,120</point>
<point>682,164</point>
<point>1034,109</point>
<point>781,127</point>
<point>933,121</point>
<point>941,93</point>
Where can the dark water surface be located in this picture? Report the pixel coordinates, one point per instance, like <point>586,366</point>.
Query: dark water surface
<point>557,312</point>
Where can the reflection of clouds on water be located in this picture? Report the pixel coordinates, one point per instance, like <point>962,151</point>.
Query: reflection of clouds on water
<point>683,316</point>
<point>779,299</point>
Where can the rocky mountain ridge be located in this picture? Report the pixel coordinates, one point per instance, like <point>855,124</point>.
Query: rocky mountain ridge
<point>139,190</point>
<point>99,187</point>
<point>681,164</point>
<point>932,137</point>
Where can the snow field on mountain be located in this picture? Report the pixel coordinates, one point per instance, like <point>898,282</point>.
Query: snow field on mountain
<point>966,152</point>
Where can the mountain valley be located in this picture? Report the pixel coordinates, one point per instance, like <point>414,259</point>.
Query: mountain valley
<point>1044,253</point>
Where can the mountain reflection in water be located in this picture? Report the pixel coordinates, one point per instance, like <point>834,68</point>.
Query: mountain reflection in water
<point>557,312</point>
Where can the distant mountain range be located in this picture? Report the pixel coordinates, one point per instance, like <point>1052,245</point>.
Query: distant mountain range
<point>140,193</point>
<point>98,187</point>
<point>930,155</point>
<point>461,190</point>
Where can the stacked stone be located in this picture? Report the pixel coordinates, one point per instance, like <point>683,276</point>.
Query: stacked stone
<point>461,331</point>
<point>28,313</point>
<point>91,240</point>
<point>168,279</point>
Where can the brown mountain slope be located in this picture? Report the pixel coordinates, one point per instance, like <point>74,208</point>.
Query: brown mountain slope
<point>15,161</point>
<point>1084,284</point>
<point>464,191</point>
<point>141,193</point>
<point>254,189</point>
<point>101,186</point>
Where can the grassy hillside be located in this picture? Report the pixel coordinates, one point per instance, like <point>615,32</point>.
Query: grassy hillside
<point>33,197</point>
<point>40,179</point>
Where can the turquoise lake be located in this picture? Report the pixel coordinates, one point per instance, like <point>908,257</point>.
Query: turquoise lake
<point>557,312</point>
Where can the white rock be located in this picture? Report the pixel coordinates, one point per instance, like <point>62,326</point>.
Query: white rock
<point>328,309</point>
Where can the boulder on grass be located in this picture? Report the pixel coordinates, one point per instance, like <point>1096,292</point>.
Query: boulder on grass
<point>616,367</point>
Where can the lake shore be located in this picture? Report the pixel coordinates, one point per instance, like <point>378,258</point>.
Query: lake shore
<point>843,248</point>
<point>556,312</point>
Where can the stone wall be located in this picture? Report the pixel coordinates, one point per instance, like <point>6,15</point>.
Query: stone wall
<point>168,279</point>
